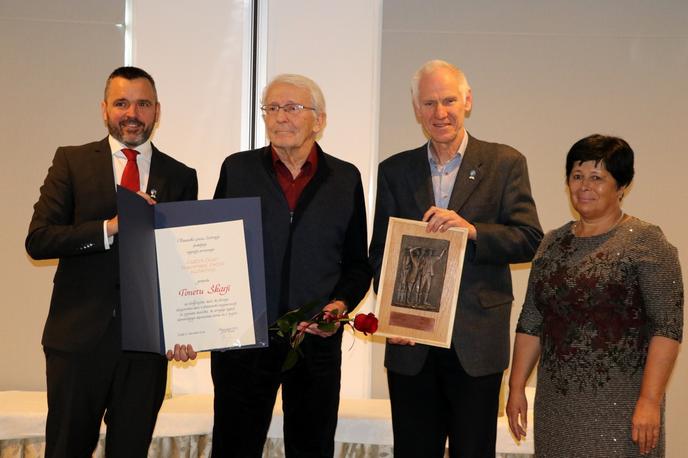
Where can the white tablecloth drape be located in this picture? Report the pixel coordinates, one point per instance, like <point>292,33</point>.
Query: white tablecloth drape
<point>185,423</point>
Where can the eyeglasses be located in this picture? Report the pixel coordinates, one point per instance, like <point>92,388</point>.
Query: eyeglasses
<point>289,108</point>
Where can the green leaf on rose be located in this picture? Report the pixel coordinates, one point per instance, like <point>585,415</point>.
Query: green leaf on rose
<point>327,327</point>
<point>298,338</point>
<point>291,359</point>
<point>283,328</point>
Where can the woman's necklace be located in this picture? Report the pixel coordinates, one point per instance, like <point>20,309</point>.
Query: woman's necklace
<point>577,226</point>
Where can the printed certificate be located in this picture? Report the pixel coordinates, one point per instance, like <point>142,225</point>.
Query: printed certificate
<point>204,285</point>
<point>191,273</point>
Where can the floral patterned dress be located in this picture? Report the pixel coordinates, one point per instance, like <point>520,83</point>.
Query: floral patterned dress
<point>595,302</point>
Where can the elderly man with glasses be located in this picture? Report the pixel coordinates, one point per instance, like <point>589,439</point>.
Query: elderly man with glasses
<point>314,237</point>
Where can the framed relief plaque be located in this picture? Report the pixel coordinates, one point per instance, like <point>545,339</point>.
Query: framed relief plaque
<point>419,282</point>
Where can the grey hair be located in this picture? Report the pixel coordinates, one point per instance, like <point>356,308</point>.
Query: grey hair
<point>429,67</point>
<point>300,81</point>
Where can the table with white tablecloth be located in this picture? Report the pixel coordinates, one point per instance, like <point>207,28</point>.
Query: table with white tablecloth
<point>185,424</point>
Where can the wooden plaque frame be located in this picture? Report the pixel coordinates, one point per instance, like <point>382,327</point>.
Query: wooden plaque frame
<point>419,282</point>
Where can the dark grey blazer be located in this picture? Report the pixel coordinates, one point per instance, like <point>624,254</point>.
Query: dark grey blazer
<point>77,196</point>
<point>498,201</point>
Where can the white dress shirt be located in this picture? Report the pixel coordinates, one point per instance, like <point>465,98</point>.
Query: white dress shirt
<point>119,161</point>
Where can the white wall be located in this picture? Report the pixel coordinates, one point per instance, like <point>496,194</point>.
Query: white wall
<point>54,59</point>
<point>195,51</point>
<point>337,44</point>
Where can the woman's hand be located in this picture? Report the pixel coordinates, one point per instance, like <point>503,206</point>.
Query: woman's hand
<point>517,412</point>
<point>645,421</point>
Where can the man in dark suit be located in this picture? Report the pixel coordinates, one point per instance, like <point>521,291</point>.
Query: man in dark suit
<point>456,180</point>
<point>75,220</point>
<point>314,236</point>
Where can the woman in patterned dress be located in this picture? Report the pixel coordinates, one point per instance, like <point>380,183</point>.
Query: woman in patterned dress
<point>604,315</point>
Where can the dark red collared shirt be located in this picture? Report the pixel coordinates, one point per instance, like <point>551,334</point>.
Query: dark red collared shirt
<point>293,187</point>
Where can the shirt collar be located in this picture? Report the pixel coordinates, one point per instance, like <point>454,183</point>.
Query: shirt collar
<point>459,153</point>
<point>145,149</point>
<point>310,163</point>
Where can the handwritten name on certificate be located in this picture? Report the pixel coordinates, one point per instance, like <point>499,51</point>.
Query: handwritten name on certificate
<point>204,286</point>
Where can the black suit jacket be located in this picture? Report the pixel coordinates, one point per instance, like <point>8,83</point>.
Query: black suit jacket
<point>77,196</point>
<point>492,191</point>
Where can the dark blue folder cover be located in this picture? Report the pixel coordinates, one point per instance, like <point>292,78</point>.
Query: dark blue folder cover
<point>139,288</point>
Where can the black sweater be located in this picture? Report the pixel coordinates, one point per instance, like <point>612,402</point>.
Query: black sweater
<point>320,253</point>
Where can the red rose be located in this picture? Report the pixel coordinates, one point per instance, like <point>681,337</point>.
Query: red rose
<point>287,327</point>
<point>367,324</point>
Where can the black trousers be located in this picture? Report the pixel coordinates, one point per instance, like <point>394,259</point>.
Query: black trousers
<point>128,387</point>
<point>441,402</point>
<point>246,384</point>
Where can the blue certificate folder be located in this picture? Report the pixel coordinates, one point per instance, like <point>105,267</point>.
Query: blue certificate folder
<point>142,320</point>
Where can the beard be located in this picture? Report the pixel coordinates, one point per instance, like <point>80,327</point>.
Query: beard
<point>119,130</point>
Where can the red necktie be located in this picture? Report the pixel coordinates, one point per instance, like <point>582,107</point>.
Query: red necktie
<point>130,176</point>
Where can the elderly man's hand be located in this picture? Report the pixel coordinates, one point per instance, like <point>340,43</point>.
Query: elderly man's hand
<point>181,353</point>
<point>400,341</point>
<point>312,328</point>
<point>441,219</point>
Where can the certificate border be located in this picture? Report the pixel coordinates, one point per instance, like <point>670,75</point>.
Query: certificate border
<point>141,314</point>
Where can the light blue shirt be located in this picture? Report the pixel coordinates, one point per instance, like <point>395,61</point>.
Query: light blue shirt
<point>444,175</point>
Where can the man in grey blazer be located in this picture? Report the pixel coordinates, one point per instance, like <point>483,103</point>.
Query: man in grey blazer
<point>456,180</point>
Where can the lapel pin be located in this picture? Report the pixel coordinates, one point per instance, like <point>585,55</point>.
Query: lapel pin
<point>154,194</point>
<point>471,175</point>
